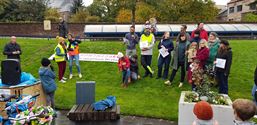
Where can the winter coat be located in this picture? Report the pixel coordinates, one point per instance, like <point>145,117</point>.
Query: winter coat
<point>47,77</point>
<point>228,57</point>
<point>63,29</point>
<point>133,66</point>
<point>202,55</point>
<point>167,43</point>
<point>10,48</point>
<point>175,56</point>
<point>123,63</point>
<point>213,47</point>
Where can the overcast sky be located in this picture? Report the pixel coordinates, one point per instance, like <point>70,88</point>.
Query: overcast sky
<point>218,2</point>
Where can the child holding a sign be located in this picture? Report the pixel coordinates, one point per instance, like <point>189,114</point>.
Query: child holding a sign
<point>223,63</point>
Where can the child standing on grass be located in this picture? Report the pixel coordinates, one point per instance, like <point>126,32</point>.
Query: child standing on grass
<point>191,54</point>
<point>47,76</point>
<point>124,66</point>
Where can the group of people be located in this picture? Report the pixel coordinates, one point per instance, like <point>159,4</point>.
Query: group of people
<point>191,53</point>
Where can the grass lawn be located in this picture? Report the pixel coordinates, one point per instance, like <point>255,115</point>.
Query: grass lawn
<point>147,97</point>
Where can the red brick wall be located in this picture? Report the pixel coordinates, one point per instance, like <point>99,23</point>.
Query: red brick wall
<point>36,29</point>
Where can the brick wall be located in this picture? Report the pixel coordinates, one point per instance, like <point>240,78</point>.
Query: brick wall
<point>36,29</point>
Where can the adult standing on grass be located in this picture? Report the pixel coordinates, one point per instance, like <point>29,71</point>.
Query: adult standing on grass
<point>203,32</point>
<point>146,45</point>
<point>179,59</point>
<point>63,28</point>
<point>223,63</point>
<point>60,58</point>
<point>131,39</point>
<point>202,53</point>
<point>183,29</point>
<point>12,49</point>
<point>73,51</point>
<point>166,45</point>
<point>47,76</point>
<point>213,45</point>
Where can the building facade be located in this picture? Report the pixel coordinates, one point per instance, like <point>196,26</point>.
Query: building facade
<point>237,8</point>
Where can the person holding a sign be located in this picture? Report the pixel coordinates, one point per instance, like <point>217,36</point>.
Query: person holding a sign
<point>223,63</point>
<point>73,51</point>
<point>60,57</point>
<point>131,39</point>
<point>165,47</point>
<point>146,45</point>
<point>179,59</point>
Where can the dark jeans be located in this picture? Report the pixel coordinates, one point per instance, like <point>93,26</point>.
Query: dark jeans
<point>166,62</point>
<point>125,76</point>
<point>62,68</point>
<point>146,60</point>
<point>50,99</point>
<point>223,82</point>
<point>182,76</point>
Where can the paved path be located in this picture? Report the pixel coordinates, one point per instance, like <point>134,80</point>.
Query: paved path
<point>125,120</point>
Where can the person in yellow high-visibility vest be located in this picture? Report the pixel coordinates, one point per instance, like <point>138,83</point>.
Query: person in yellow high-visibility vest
<point>60,57</point>
<point>146,44</point>
<point>73,52</point>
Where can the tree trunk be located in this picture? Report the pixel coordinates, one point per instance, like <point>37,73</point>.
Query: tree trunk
<point>133,18</point>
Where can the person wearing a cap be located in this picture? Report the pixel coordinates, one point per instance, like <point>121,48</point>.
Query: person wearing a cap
<point>222,73</point>
<point>203,32</point>
<point>63,28</point>
<point>12,49</point>
<point>47,76</point>
<point>124,67</point>
<point>244,110</point>
<point>131,42</point>
<point>146,45</point>
<point>60,57</point>
<point>204,114</point>
<point>213,45</point>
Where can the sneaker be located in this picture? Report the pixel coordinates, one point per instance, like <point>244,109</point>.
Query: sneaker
<point>80,75</point>
<point>70,76</point>
<point>62,81</point>
<point>64,78</point>
<point>180,84</point>
<point>167,83</point>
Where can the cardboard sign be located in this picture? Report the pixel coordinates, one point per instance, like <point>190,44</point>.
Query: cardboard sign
<point>47,25</point>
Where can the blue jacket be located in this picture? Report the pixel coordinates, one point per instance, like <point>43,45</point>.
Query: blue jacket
<point>132,41</point>
<point>47,77</point>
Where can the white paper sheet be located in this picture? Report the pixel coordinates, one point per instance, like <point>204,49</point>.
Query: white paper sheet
<point>220,63</point>
<point>163,52</point>
<point>144,44</point>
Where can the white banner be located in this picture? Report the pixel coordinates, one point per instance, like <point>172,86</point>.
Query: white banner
<point>95,57</point>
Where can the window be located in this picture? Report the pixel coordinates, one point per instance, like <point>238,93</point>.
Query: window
<point>231,10</point>
<point>253,6</point>
<point>239,8</point>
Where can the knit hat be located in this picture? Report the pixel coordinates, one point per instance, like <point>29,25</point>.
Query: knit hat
<point>225,42</point>
<point>120,55</point>
<point>203,110</point>
<point>45,62</point>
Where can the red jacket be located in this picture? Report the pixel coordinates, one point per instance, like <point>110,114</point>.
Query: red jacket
<point>202,55</point>
<point>123,63</point>
<point>203,34</point>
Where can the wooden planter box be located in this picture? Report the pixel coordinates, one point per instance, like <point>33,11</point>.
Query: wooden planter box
<point>24,90</point>
<point>224,114</point>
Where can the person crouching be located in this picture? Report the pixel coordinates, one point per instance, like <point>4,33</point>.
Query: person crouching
<point>134,68</point>
<point>124,66</point>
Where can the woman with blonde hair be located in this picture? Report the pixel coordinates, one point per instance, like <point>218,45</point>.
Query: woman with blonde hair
<point>202,53</point>
<point>60,57</point>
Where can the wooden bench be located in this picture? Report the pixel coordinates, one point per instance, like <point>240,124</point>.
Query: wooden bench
<point>85,112</point>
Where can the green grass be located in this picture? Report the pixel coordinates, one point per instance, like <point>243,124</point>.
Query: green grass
<point>147,97</point>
